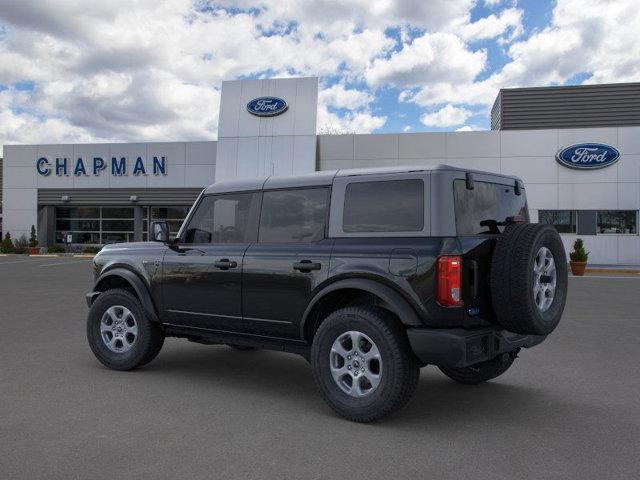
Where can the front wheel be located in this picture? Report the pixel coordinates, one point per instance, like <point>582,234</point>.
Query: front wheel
<point>120,334</point>
<point>363,364</point>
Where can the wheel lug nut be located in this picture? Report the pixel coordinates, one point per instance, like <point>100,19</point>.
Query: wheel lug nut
<point>363,369</point>
<point>348,367</point>
<point>348,357</point>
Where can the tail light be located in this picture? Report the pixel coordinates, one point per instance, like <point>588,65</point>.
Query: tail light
<point>449,281</point>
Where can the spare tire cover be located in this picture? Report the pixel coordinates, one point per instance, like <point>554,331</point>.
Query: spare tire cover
<point>528,278</point>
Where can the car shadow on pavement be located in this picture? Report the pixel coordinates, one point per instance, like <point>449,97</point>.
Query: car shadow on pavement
<point>438,403</point>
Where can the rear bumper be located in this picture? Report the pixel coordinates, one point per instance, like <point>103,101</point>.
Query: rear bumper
<point>457,347</point>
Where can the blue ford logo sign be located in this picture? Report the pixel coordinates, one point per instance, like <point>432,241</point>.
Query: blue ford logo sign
<point>267,106</point>
<point>588,156</point>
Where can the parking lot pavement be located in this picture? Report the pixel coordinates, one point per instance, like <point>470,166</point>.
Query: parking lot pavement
<point>566,409</point>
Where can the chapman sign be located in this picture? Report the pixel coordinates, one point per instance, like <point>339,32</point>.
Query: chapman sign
<point>588,156</point>
<point>96,165</point>
<point>267,106</point>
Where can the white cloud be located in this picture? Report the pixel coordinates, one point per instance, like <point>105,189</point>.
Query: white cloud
<point>351,122</point>
<point>433,57</point>
<point>338,96</point>
<point>407,128</point>
<point>492,3</point>
<point>583,37</point>
<point>509,20</point>
<point>152,70</point>
<point>447,116</point>
<point>469,128</point>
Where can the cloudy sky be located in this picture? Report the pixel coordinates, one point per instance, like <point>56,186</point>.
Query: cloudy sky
<point>82,71</point>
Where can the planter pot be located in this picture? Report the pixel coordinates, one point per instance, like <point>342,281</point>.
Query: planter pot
<point>578,268</point>
<point>34,250</point>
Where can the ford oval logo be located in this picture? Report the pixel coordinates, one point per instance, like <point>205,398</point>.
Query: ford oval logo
<point>588,156</point>
<point>267,106</point>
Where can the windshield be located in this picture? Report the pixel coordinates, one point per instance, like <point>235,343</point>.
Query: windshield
<point>484,209</point>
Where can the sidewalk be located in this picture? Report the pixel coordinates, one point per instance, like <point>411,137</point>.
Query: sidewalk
<point>613,269</point>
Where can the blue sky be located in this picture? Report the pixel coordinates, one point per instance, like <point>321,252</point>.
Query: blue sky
<point>77,71</point>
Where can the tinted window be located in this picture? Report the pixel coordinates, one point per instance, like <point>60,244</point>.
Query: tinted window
<point>224,219</point>
<point>388,206</point>
<point>486,203</point>
<point>618,221</point>
<point>563,220</point>
<point>294,215</point>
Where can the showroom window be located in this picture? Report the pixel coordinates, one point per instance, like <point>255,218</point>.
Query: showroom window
<point>563,220</point>
<point>94,225</point>
<point>618,222</point>
<point>294,216</point>
<point>174,216</point>
<point>401,211</point>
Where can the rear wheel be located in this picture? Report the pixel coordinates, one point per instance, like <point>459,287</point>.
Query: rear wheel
<point>363,364</point>
<point>120,334</point>
<point>480,372</point>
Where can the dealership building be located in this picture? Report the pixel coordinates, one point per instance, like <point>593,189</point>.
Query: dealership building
<point>576,148</point>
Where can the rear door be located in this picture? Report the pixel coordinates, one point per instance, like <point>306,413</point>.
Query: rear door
<point>289,260</point>
<point>202,271</point>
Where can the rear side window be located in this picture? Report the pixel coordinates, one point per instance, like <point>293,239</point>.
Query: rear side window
<point>487,203</point>
<point>293,215</point>
<point>384,206</point>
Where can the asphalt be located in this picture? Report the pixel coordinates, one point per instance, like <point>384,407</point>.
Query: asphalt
<point>566,409</point>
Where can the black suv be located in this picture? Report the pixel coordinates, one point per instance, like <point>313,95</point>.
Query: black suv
<point>369,274</point>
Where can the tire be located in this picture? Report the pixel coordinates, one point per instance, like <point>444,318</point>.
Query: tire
<point>132,351</point>
<point>395,368</point>
<point>520,279</point>
<point>480,372</point>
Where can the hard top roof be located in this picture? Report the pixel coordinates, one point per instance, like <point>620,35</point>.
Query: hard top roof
<point>325,177</point>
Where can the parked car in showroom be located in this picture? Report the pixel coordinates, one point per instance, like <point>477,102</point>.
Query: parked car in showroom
<point>369,274</point>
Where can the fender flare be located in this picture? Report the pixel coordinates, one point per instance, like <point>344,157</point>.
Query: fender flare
<point>137,284</point>
<point>397,303</point>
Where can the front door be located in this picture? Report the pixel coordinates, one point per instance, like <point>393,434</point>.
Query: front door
<point>287,263</point>
<point>202,271</point>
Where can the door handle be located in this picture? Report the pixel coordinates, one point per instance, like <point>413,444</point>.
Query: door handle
<point>306,266</point>
<point>225,264</point>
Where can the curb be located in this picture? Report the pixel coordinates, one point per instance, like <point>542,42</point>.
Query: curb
<point>626,271</point>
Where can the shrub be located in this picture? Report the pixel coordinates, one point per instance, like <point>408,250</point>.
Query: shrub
<point>56,249</point>
<point>20,245</point>
<point>7,244</point>
<point>579,254</point>
<point>33,238</point>
<point>91,249</point>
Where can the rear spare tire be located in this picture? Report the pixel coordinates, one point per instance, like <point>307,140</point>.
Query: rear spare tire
<point>529,278</point>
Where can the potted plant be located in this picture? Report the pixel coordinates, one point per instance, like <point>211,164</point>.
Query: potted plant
<point>21,245</point>
<point>7,244</point>
<point>33,242</point>
<point>578,258</point>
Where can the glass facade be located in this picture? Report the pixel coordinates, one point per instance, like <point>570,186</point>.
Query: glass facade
<point>174,216</point>
<point>563,220</point>
<point>618,221</point>
<point>102,225</point>
<point>592,222</point>
<point>94,225</point>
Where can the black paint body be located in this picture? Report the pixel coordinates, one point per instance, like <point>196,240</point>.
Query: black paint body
<point>274,295</point>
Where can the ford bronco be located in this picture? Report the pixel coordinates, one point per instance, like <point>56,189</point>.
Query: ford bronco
<point>369,274</point>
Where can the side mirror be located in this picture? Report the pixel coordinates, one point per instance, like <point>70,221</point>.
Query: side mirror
<point>160,232</point>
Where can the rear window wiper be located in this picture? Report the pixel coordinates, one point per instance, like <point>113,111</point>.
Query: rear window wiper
<point>494,224</point>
